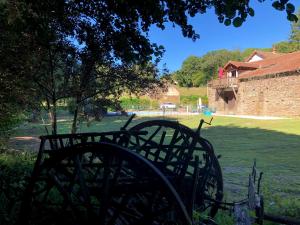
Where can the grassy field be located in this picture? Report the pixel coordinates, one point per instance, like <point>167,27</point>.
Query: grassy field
<point>275,144</point>
<point>199,91</point>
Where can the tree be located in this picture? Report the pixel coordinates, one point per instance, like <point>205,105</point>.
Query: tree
<point>248,51</point>
<point>66,57</point>
<point>186,75</point>
<point>215,59</point>
<point>293,44</point>
<point>286,46</point>
<point>295,34</point>
<point>196,71</point>
<point>295,31</point>
<point>59,45</point>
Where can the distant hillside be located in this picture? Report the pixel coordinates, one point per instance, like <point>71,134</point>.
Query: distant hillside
<point>199,91</point>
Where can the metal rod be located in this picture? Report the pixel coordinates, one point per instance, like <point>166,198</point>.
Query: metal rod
<point>199,127</point>
<point>128,122</point>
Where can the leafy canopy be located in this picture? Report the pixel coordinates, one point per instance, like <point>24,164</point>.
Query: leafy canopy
<point>53,48</point>
<point>196,71</point>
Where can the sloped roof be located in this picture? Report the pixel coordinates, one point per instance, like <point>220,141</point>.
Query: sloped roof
<point>239,65</point>
<point>274,65</point>
<point>264,55</point>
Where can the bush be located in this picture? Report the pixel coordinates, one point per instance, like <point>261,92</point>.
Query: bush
<point>15,169</point>
<point>138,104</point>
<point>6,125</point>
<point>193,100</point>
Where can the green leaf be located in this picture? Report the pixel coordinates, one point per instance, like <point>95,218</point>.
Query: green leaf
<point>237,22</point>
<point>290,8</point>
<point>278,5</point>
<point>251,12</point>
<point>227,22</point>
<point>292,18</point>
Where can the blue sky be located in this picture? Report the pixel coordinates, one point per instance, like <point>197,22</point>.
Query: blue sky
<point>268,26</point>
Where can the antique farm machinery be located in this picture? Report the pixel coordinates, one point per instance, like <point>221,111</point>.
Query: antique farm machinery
<point>156,172</point>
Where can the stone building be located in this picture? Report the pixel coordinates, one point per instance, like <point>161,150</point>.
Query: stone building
<point>267,83</point>
<point>171,95</point>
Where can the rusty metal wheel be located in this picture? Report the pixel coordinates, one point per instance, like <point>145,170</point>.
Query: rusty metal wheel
<point>100,183</point>
<point>178,150</point>
<point>210,190</point>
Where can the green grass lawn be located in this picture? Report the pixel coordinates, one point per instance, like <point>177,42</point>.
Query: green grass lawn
<point>275,144</point>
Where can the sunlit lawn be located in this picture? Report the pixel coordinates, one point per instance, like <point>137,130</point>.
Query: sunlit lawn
<point>275,144</point>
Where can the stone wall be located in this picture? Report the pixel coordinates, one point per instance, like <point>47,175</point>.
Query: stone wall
<point>215,101</point>
<point>277,96</point>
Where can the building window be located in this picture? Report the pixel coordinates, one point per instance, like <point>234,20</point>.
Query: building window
<point>233,73</point>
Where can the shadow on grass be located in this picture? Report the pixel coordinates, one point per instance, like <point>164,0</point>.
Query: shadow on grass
<point>277,155</point>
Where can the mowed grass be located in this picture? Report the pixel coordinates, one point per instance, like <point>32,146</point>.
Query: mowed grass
<point>275,144</point>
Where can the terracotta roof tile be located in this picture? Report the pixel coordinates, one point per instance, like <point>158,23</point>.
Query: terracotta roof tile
<point>264,55</point>
<point>279,64</point>
<point>241,65</point>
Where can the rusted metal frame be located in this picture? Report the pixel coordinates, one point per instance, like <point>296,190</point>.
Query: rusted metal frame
<point>160,146</point>
<point>175,147</point>
<point>195,177</point>
<point>206,172</point>
<point>63,169</point>
<point>78,135</point>
<point>128,122</point>
<point>180,171</point>
<point>106,188</point>
<point>129,213</point>
<point>188,155</point>
<point>63,191</point>
<point>117,210</point>
<point>152,145</point>
<point>60,186</point>
<point>169,188</point>
<point>111,182</point>
<point>78,171</point>
<point>171,146</point>
<point>147,141</point>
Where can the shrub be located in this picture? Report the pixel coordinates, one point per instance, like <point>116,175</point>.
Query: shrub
<point>138,104</point>
<point>193,100</point>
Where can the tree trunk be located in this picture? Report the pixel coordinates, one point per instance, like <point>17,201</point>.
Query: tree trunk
<point>74,123</point>
<point>54,122</point>
<point>53,118</point>
<point>35,115</point>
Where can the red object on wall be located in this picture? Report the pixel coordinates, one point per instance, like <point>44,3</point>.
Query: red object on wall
<point>221,72</point>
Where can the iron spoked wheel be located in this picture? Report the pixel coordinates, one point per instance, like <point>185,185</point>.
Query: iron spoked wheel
<point>176,147</point>
<point>100,183</point>
<point>209,191</point>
